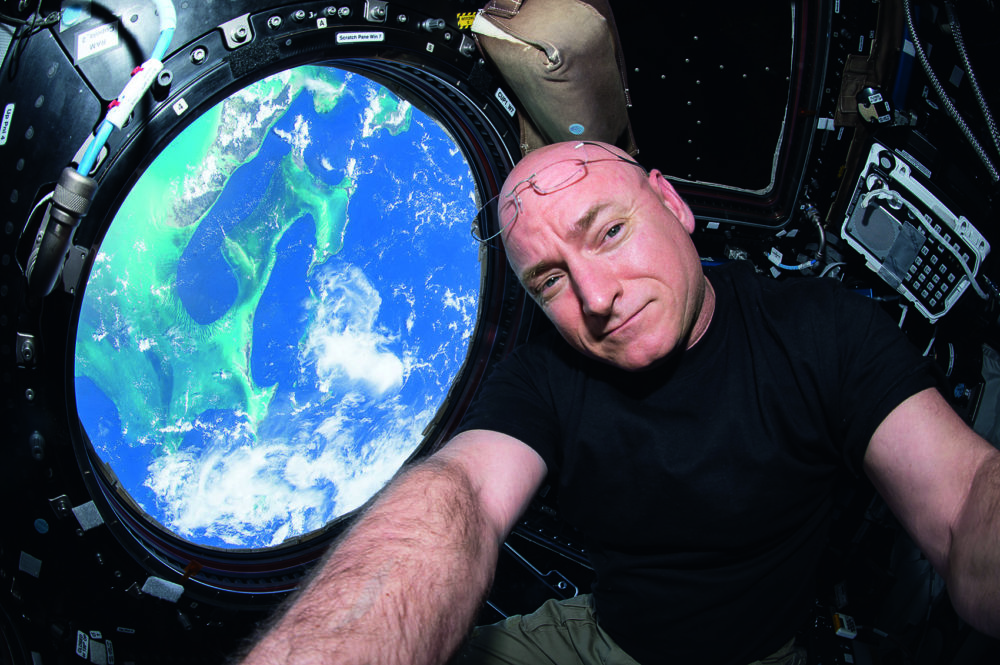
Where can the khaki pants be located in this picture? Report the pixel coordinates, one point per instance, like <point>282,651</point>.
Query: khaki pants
<point>565,632</point>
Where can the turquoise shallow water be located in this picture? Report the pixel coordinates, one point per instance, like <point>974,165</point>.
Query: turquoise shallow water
<point>278,309</point>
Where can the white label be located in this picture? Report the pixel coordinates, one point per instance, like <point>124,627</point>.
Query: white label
<point>505,102</point>
<point>359,37</point>
<point>82,644</point>
<point>430,47</point>
<point>96,41</point>
<point>321,22</point>
<point>916,164</point>
<point>96,635</point>
<point>111,652</point>
<point>88,515</point>
<point>8,115</point>
<point>180,106</point>
<point>163,589</point>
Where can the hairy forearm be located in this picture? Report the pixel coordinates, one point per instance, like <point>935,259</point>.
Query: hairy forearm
<point>973,575</point>
<point>403,586</point>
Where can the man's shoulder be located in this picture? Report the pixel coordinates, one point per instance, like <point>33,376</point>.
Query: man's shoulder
<point>816,308</point>
<point>742,279</point>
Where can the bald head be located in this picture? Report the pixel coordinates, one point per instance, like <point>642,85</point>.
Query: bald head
<point>539,159</point>
<point>555,167</point>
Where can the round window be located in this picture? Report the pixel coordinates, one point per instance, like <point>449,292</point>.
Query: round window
<point>278,309</point>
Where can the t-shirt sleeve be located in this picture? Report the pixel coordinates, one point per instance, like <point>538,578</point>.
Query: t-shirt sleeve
<point>879,369</point>
<point>516,400</point>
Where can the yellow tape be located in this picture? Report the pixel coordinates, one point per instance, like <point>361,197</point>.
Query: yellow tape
<point>465,20</point>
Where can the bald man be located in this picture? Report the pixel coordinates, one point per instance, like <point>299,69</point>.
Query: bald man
<point>694,423</point>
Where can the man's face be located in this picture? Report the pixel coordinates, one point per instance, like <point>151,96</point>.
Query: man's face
<point>609,257</point>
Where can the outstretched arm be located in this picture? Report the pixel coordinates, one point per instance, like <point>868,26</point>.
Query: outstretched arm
<point>942,481</point>
<point>974,571</point>
<point>405,583</point>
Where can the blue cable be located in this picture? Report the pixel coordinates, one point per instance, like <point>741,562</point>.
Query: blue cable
<point>94,149</point>
<point>169,18</point>
<point>803,266</point>
<point>162,44</point>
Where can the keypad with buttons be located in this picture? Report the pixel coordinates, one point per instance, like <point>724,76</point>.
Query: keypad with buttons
<point>934,275</point>
<point>916,243</point>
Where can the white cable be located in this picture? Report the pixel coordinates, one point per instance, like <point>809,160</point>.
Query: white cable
<point>943,96</point>
<point>930,344</point>
<point>133,92</point>
<point>167,13</point>
<point>831,266</point>
<point>956,33</point>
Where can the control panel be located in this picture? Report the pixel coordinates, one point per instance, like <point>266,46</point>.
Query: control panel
<point>929,254</point>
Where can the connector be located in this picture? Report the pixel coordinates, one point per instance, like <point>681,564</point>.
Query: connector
<point>70,202</point>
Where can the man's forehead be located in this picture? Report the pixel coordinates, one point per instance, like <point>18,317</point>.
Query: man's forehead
<point>536,160</point>
<point>570,152</point>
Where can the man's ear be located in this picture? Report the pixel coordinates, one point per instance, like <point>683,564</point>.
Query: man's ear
<point>672,200</point>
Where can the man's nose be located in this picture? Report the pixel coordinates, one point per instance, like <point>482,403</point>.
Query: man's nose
<point>597,291</point>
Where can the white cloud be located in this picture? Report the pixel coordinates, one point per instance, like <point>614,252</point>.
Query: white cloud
<point>239,488</point>
<point>298,138</point>
<point>343,341</point>
<point>233,492</point>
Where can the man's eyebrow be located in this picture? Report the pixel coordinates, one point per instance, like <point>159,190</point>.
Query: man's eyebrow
<point>587,220</point>
<point>533,272</point>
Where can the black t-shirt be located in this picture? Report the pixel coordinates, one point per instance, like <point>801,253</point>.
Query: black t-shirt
<point>703,486</point>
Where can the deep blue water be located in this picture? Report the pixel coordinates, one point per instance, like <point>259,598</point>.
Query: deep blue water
<point>104,428</point>
<point>205,283</point>
<point>279,321</point>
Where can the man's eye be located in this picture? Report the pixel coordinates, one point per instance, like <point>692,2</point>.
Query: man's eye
<point>548,283</point>
<point>614,230</point>
<point>540,289</point>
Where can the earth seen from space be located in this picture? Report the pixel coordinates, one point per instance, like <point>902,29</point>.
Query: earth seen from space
<point>278,309</point>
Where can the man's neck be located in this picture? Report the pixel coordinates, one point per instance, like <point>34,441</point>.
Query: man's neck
<point>704,316</point>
